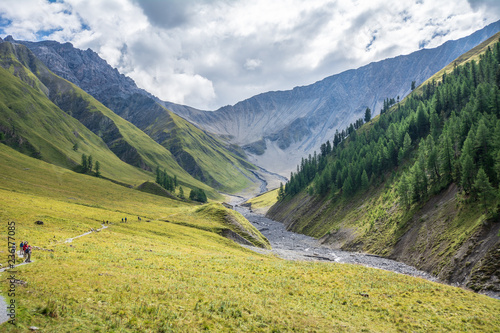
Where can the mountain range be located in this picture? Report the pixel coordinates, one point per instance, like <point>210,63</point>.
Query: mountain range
<point>277,128</point>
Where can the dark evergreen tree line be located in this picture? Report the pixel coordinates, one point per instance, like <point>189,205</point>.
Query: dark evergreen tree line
<point>163,179</point>
<point>450,132</point>
<point>170,184</point>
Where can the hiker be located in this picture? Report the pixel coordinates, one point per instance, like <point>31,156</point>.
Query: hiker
<point>122,219</point>
<point>25,246</point>
<point>28,253</point>
<point>138,218</point>
<point>125,220</point>
<point>21,248</point>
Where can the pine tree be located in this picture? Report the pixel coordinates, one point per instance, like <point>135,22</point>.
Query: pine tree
<point>181,193</point>
<point>368,115</point>
<point>406,145</point>
<point>467,172</point>
<point>482,147</point>
<point>446,157</point>
<point>90,163</point>
<point>281,192</point>
<point>84,164</point>
<point>432,162</point>
<point>97,169</point>
<point>422,120</point>
<point>404,190</point>
<point>348,187</point>
<point>483,189</point>
<point>158,175</point>
<point>364,180</point>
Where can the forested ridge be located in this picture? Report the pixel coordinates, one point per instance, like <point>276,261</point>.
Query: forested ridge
<point>446,132</point>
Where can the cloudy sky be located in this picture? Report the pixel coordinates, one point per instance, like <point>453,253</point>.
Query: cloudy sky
<point>210,53</point>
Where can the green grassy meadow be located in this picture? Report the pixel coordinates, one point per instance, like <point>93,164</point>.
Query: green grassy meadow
<point>264,201</point>
<point>177,274</point>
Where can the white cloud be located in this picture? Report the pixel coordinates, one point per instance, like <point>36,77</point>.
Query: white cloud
<point>252,64</point>
<point>208,53</point>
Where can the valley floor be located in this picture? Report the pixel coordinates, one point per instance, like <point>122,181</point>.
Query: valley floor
<point>292,246</point>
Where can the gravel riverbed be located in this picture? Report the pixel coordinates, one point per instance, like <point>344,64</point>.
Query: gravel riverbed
<point>291,246</point>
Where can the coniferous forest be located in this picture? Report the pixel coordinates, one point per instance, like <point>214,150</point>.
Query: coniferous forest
<point>447,131</point>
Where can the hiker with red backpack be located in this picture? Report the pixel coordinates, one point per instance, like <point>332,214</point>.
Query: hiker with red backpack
<point>25,246</point>
<point>28,253</point>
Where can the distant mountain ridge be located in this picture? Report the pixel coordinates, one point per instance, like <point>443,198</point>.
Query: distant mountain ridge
<point>292,124</point>
<point>275,128</point>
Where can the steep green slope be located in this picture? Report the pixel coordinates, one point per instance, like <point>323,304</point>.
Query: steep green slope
<point>172,272</point>
<point>34,125</point>
<point>200,154</point>
<point>203,155</point>
<point>125,140</point>
<point>419,183</point>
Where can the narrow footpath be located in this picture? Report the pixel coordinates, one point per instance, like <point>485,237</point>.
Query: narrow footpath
<point>3,304</point>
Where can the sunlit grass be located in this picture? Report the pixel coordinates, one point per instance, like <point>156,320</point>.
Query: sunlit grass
<point>182,276</point>
<point>263,202</point>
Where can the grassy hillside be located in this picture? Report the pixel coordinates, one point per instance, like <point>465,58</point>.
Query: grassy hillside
<point>36,126</point>
<point>419,183</point>
<point>202,155</point>
<point>263,202</point>
<point>180,276</point>
<point>205,157</point>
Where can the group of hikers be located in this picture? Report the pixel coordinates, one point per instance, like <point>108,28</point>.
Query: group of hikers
<point>25,250</point>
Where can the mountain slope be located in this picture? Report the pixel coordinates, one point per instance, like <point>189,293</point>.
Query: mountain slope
<point>293,123</point>
<point>34,125</point>
<point>419,183</point>
<point>205,157</point>
<point>124,139</point>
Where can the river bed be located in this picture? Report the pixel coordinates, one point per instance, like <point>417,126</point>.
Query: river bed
<point>291,246</point>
